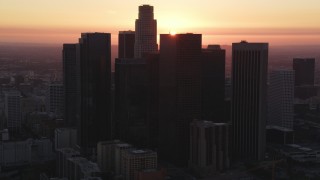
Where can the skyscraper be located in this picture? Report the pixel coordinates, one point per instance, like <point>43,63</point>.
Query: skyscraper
<point>213,78</point>
<point>304,71</point>
<point>56,99</point>
<point>280,98</point>
<point>179,94</point>
<point>131,101</point>
<point>136,98</point>
<point>95,81</point>
<point>12,100</point>
<point>70,75</point>
<point>249,103</point>
<point>146,32</point>
<point>126,44</point>
<point>304,78</point>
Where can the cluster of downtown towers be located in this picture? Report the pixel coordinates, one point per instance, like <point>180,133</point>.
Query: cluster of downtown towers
<point>158,93</point>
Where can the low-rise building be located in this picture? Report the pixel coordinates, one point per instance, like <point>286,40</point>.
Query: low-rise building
<point>135,160</point>
<point>209,147</point>
<point>81,168</point>
<point>15,153</point>
<point>65,138</point>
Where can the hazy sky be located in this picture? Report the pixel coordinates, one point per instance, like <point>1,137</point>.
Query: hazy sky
<point>220,21</point>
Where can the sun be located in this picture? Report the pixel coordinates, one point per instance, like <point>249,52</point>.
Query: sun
<point>172,33</point>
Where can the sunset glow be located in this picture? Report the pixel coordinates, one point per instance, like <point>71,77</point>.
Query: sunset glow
<point>60,21</point>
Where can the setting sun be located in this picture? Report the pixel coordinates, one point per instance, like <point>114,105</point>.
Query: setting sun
<point>172,33</point>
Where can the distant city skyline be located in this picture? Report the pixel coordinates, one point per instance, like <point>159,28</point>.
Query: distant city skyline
<point>221,22</point>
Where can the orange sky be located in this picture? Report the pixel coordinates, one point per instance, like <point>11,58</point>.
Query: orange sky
<point>220,22</point>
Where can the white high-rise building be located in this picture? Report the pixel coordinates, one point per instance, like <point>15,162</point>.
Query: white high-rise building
<point>281,98</point>
<point>146,32</point>
<point>13,110</point>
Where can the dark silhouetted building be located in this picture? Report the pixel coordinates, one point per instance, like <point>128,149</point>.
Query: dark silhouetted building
<point>213,83</point>
<point>126,41</point>
<point>70,75</point>
<point>304,78</point>
<point>179,94</point>
<point>146,32</point>
<point>279,135</point>
<point>304,71</point>
<point>209,147</point>
<point>136,100</point>
<point>95,81</point>
<point>154,174</point>
<point>131,101</point>
<point>63,155</point>
<point>249,100</point>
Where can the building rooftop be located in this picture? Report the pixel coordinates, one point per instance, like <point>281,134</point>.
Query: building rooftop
<point>64,129</point>
<point>298,148</point>
<point>122,145</point>
<point>204,123</point>
<point>85,165</point>
<point>127,32</point>
<point>140,151</point>
<point>109,142</point>
<point>69,151</point>
<point>92,178</point>
<point>283,129</point>
<point>130,61</point>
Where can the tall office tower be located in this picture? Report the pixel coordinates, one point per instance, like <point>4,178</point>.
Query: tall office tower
<point>146,32</point>
<point>280,98</point>
<point>213,83</point>
<point>304,78</point>
<point>126,44</point>
<point>136,160</point>
<point>179,94</point>
<point>12,102</point>
<point>131,101</point>
<point>136,100</point>
<point>304,71</point>
<point>56,99</point>
<point>249,100</point>
<point>209,147</point>
<point>95,87</point>
<point>70,75</point>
